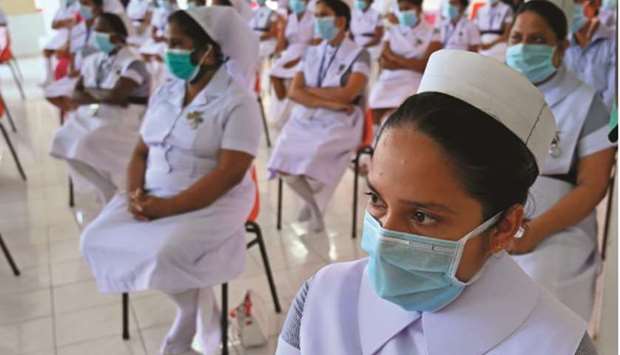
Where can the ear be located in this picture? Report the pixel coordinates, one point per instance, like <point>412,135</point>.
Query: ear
<point>505,230</point>
<point>341,22</point>
<point>558,56</point>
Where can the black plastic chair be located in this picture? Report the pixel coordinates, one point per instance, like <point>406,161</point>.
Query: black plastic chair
<point>365,150</point>
<point>9,258</point>
<point>7,139</point>
<point>250,227</point>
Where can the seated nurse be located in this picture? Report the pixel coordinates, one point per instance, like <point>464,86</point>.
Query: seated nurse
<point>449,177</point>
<point>110,97</point>
<point>325,127</point>
<point>179,227</point>
<point>560,247</point>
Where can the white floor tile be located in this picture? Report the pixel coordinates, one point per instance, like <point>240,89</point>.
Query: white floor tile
<point>112,345</point>
<point>19,307</point>
<point>77,296</point>
<point>27,337</point>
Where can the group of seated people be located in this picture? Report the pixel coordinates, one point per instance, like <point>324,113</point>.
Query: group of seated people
<point>161,118</point>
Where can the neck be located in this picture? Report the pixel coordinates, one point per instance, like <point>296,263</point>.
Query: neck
<point>338,39</point>
<point>193,88</point>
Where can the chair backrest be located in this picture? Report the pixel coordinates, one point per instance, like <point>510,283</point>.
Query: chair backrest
<point>5,45</point>
<point>368,134</point>
<point>256,208</point>
<point>2,108</point>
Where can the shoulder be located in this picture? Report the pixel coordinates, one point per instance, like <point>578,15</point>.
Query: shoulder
<point>346,273</point>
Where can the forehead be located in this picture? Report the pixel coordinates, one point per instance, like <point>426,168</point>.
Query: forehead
<point>414,167</point>
<point>531,22</point>
<point>321,8</point>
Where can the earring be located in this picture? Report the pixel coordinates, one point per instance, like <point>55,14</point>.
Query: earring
<point>521,232</point>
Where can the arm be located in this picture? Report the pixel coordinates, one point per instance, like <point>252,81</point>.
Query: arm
<point>344,95</point>
<point>376,38</point>
<point>300,94</point>
<point>280,36</point>
<point>119,95</point>
<point>80,95</point>
<point>66,23</point>
<point>414,64</point>
<point>137,167</point>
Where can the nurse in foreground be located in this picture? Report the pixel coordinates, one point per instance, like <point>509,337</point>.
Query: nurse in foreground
<point>447,184</point>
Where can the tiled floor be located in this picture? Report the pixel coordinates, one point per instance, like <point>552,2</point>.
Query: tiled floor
<point>54,307</point>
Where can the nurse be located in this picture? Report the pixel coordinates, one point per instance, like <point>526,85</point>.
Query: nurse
<point>406,50</point>
<point>264,22</point>
<point>325,127</point>
<point>494,20</point>
<point>592,53</point>
<point>179,227</point>
<point>559,248</point>
<point>367,27</point>
<point>139,13</point>
<point>98,140</point>
<point>298,34</point>
<point>59,93</point>
<point>64,20</point>
<point>154,48</point>
<point>449,177</point>
<point>457,32</point>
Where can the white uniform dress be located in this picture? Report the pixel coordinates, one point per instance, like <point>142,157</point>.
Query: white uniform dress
<point>502,313</point>
<point>137,11</point>
<point>317,142</point>
<point>363,27</point>
<point>567,263</point>
<point>159,22</point>
<point>298,33</point>
<point>260,23</point>
<point>102,137</point>
<point>491,21</point>
<point>460,36</point>
<point>198,249</point>
<point>61,36</point>
<point>394,86</point>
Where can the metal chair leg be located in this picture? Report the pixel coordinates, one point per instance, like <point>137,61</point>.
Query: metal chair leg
<point>19,70</point>
<point>224,320</point>
<point>264,117</point>
<point>279,214</point>
<point>17,81</point>
<point>71,195</point>
<point>9,258</point>
<point>13,152</point>
<point>253,227</point>
<point>8,113</point>
<point>125,316</point>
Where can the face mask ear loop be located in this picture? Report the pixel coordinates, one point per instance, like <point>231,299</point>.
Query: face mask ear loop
<point>474,233</point>
<point>199,65</point>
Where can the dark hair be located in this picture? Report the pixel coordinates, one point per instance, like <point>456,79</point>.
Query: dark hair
<point>413,2</point>
<point>340,8</point>
<point>191,28</point>
<point>98,3</point>
<point>115,22</point>
<point>495,167</point>
<point>224,3</point>
<point>553,15</point>
<point>464,3</point>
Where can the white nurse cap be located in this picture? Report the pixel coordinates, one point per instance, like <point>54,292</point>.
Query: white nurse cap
<point>499,91</point>
<point>226,27</point>
<point>567,7</point>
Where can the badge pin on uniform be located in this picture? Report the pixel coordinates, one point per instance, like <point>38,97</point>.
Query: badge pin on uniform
<point>554,149</point>
<point>194,119</point>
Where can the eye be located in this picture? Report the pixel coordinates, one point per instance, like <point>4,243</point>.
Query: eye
<point>423,218</point>
<point>374,200</point>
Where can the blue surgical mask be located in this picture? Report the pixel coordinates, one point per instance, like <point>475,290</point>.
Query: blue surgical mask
<point>325,28</point>
<point>297,6</point>
<point>408,18</point>
<point>261,2</point>
<point>450,11</point>
<point>361,5</point>
<point>579,19</point>
<point>415,272</point>
<point>493,2</point>
<point>535,61</point>
<point>104,42</point>
<point>86,12</point>
<point>179,63</point>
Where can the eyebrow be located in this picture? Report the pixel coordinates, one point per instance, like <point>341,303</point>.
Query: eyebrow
<point>417,204</point>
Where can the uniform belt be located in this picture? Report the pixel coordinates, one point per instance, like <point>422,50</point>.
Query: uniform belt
<point>494,32</point>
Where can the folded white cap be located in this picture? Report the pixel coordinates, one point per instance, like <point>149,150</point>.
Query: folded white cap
<point>226,27</point>
<point>499,91</point>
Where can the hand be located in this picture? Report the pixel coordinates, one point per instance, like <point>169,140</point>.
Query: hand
<point>348,108</point>
<point>391,17</point>
<point>527,243</point>
<point>388,64</point>
<point>133,198</point>
<point>153,207</point>
<point>292,63</point>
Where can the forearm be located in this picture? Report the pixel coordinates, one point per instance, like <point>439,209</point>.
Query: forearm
<point>373,42</point>
<point>417,65</point>
<point>136,171</point>
<point>206,190</point>
<point>333,94</point>
<point>308,99</point>
<point>83,98</point>
<point>569,211</point>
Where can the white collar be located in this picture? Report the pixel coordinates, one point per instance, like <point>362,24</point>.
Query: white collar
<point>486,313</point>
<point>561,85</point>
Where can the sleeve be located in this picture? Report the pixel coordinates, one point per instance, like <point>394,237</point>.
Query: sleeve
<point>136,71</point>
<point>362,64</point>
<point>610,92</point>
<point>593,137</point>
<point>474,35</point>
<point>242,129</point>
<point>586,347</point>
<point>289,340</point>
<point>509,16</point>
